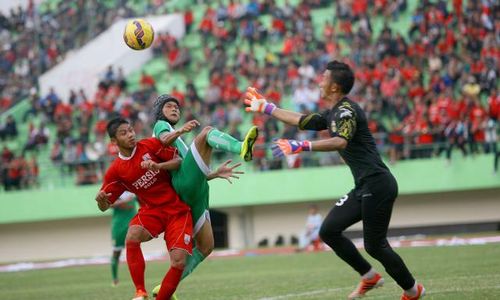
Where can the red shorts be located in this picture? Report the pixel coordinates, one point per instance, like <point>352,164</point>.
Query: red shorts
<point>178,227</point>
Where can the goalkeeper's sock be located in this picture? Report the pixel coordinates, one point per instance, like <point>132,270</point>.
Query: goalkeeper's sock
<point>136,264</point>
<point>223,141</point>
<point>370,274</point>
<point>114,268</point>
<point>192,262</point>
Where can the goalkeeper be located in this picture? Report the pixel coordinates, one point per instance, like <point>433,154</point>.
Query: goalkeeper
<point>190,180</point>
<point>375,189</point>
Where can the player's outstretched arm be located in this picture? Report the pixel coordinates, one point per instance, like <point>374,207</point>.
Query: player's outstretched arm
<point>102,199</point>
<point>256,103</point>
<point>170,165</point>
<point>283,147</point>
<point>226,171</point>
<point>167,138</point>
<point>331,144</point>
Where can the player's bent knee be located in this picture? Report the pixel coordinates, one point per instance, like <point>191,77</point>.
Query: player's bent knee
<point>206,248</point>
<point>202,136</point>
<point>178,259</point>
<point>325,233</point>
<point>329,235</point>
<point>178,264</point>
<point>137,233</point>
<point>205,131</point>
<point>373,249</point>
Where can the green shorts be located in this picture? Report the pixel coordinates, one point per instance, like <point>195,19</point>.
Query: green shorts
<point>190,182</point>
<point>119,227</point>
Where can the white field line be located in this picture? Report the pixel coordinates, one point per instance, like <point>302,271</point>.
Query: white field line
<point>395,243</point>
<point>374,294</point>
<point>444,291</point>
<point>303,294</point>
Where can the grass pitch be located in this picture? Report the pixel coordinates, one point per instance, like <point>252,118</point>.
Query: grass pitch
<point>459,272</point>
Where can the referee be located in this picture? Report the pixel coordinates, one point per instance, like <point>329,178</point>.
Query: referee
<point>375,188</point>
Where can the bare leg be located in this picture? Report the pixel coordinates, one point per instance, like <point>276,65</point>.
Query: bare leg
<point>202,146</point>
<point>205,239</point>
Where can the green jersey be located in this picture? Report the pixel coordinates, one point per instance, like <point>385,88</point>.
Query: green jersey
<point>163,126</point>
<point>190,180</point>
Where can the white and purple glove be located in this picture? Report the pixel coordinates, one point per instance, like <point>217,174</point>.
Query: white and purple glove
<point>257,103</point>
<point>283,147</point>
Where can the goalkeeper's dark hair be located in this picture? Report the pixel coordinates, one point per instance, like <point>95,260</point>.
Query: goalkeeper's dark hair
<point>113,125</point>
<point>157,112</point>
<point>342,75</point>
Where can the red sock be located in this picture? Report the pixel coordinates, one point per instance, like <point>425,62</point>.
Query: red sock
<point>136,264</point>
<point>169,283</point>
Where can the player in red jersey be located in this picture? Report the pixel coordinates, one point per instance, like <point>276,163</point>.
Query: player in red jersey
<point>161,208</point>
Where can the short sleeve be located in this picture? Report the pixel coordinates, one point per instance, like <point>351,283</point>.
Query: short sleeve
<point>313,121</point>
<point>166,153</point>
<point>161,127</point>
<point>163,153</point>
<point>345,121</point>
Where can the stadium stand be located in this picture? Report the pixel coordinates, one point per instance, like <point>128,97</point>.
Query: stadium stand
<point>428,86</point>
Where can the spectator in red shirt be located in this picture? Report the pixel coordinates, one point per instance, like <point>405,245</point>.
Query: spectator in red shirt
<point>492,123</point>
<point>176,93</point>
<point>147,81</point>
<point>494,105</point>
<point>188,19</point>
<point>273,93</point>
<point>100,127</point>
<point>206,27</point>
<point>397,141</point>
<point>478,119</point>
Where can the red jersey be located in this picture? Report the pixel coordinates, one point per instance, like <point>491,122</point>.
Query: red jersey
<point>494,107</point>
<point>153,188</point>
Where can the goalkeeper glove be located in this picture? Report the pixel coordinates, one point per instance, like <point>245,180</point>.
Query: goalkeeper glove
<point>257,103</point>
<point>283,147</point>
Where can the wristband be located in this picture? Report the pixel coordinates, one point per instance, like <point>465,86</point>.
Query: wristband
<point>269,108</point>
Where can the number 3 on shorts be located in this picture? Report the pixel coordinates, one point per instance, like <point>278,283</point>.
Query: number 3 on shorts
<point>342,200</point>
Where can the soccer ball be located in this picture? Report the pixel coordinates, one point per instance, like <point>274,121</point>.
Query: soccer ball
<point>138,34</point>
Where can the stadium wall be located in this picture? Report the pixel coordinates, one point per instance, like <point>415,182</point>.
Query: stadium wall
<point>49,224</point>
<point>250,225</point>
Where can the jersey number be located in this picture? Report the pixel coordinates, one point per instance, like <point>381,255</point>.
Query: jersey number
<point>342,200</point>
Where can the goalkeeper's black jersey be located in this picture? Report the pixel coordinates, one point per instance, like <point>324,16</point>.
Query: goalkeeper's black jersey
<point>347,120</point>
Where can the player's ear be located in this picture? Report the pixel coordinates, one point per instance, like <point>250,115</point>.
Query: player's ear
<point>114,141</point>
<point>334,88</point>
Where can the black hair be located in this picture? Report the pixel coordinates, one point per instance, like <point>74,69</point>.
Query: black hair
<point>113,125</point>
<point>157,111</point>
<point>342,75</point>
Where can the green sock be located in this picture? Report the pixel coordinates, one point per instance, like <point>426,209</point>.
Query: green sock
<point>192,262</point>
<point>223,141</point>
<point>114,267</point>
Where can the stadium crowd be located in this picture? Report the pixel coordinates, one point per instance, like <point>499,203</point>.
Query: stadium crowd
<point>38,37</point>
<point>425,92</point>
